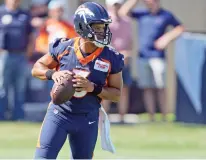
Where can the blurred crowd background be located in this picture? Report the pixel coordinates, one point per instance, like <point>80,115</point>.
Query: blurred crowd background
<point>163,73</point>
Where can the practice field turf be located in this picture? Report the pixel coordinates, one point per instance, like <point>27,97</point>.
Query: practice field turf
<point>157,140</point>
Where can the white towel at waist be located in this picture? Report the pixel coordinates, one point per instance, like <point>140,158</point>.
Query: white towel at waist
<point>104,125</point>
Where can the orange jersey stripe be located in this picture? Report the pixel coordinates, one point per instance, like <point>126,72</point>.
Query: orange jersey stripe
<point>62,54</point>
<point>87,59</point>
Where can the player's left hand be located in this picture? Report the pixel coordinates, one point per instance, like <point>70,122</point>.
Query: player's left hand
<point>161,44</point>
<point>82,84</point>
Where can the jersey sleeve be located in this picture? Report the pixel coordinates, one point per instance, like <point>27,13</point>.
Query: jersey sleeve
<point>137,13</point>
<point>117,62</point>
<point>173,21</point>
<point>57,47</point>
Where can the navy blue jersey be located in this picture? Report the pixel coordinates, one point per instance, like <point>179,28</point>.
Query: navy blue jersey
<point>151,28</point>
<point>15,28</point>
<point>96,66</point>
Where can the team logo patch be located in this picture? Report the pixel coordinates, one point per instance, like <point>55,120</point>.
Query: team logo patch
<point>101,66</point>
<point>6,19</point>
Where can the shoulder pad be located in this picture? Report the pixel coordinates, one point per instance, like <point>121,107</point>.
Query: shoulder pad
<point>57,41</point>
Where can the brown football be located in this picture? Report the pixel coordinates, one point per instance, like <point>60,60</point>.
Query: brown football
<point>64,92</point>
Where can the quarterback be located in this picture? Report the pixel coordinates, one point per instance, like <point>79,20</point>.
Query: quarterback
<point>101,78</point>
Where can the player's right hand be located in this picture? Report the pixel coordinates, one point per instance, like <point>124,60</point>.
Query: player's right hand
<point>60,75</point>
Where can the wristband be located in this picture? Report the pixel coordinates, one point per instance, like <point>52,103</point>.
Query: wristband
<point>97,89</point>
<point>49,74</point>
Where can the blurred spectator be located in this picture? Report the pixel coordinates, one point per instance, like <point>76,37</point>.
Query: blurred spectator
<point>153,40</point>
<point>39,12</point>
<point>122,41</point>
<point>54,27</point>
<point>16,45</point>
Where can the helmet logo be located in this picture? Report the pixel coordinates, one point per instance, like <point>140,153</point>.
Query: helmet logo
<point>84,11</point>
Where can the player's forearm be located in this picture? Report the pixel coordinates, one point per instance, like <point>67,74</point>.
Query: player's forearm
<point>127,7</point>
<point>173,34</point>
<point>39,71</point>
<point>112,94</point>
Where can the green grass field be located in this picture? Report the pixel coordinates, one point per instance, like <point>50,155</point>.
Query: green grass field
<point>157,140</point>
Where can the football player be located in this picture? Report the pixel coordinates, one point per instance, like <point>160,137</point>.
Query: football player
<point>97,70</point>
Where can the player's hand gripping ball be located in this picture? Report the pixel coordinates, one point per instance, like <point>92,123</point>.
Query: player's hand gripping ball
<point>82,84</point>
<point>63,89</point>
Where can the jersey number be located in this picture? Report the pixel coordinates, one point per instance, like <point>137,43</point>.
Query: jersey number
<point>85,74</point>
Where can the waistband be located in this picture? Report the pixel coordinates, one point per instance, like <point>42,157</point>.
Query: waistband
<point>65,111</point>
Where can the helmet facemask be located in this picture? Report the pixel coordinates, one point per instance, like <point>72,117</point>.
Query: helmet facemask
<point>100,36</point>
